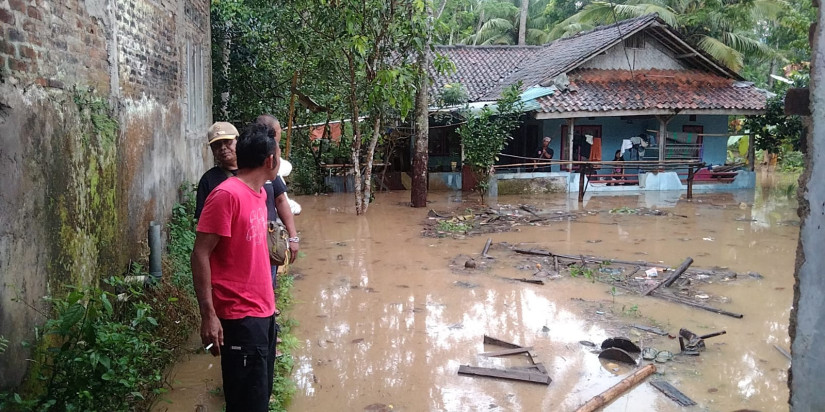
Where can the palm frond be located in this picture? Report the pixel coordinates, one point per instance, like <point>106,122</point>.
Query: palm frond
<point>497,25</point>
<point>721,52</point>
<point>500,10</point>
<point>537,37</point>
<point>566,30</point>
<point>768,9</point>
<point>745,44</point>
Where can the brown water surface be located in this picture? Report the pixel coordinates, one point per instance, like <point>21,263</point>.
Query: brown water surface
<point>385,319</point>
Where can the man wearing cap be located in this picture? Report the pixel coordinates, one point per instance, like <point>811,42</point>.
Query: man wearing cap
<point>222,141</point>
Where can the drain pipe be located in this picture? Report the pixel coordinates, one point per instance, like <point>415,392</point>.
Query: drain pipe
<point>155,251</point>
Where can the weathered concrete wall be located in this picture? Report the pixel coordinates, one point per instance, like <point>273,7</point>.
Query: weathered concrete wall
<point>104,106</point>
<point>653,56</point>
<point>807,323</point>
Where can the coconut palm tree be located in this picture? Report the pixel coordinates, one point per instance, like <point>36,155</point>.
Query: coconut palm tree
<point>725,29</point>
<point>499,23</point>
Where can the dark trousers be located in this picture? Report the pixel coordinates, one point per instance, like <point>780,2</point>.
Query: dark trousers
<point>248,363</point>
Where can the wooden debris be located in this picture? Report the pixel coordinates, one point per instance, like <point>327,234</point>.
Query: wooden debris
<point>621,343</point>
<point>614,392</point>
<point>506,352</point>
<point>486,248</point>
<point>533,281</point>
<point>590,259</point>
<point>489,340</point>
<point>618,355</point>
<point>538,366</point>
<point>671,392</point>
<point>517,375</point>
<point>650,329</point>
<point>672,278</point>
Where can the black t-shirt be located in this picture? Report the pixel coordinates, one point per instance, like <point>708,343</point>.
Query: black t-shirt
<point>549,151</point>
<point>215,176</point>
<point>209,181</point>
<point>273,189</point>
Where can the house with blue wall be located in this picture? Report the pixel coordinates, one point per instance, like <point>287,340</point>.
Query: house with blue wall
<point>636,78</point>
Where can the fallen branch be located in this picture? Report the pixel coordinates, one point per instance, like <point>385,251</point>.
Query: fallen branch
<point>591,259</point>
<point>672,278</point>
<point>614,392</point>
<point>684,301</point>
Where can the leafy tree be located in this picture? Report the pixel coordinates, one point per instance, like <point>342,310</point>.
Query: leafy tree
<point>774,129</point>
<point>486,133</point>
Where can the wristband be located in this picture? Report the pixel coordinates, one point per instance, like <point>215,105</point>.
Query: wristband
<point>295,239</point>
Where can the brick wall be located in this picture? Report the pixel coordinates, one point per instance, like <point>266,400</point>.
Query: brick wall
<point>150,60</point>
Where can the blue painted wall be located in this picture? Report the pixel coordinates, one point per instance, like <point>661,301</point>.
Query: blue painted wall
<point>614,130</point>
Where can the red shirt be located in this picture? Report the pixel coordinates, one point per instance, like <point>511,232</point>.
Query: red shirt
<point>241,274</point>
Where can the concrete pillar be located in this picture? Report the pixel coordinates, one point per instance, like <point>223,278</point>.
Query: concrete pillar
<point>751,152</point>
<point>807,323</point>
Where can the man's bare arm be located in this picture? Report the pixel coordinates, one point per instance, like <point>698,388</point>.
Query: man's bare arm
<point>285,213</point>
<point>211,330</point>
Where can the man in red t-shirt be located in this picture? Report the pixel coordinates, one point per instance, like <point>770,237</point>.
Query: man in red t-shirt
<point>230,267</point>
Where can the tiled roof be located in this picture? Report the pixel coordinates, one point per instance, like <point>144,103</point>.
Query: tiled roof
<point>486,70</point>
<point>593,90</point>
<point>479,68</point>
<point>565,54</point>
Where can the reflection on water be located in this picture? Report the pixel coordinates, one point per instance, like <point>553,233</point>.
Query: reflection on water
<point>385,319</point>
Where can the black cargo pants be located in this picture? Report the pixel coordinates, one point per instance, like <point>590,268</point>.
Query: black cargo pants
<point>248,363</point>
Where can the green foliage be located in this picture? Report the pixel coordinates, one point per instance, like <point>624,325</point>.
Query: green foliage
<point>453,94</point>
<point>4,344</point>
<point>99,352</point>
<point>579,270</point>
<point>284,388</point>
<point>774,129</point>
<point>453,226</point>
<point>624,210</point>
<point>106,348</point>
<point>632,311</point>
<point>487,132</point>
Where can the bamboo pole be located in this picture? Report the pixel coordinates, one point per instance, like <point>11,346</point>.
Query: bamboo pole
<point>672,278</point>
<point>614,392</point>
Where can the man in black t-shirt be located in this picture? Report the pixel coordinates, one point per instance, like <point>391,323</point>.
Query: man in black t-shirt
<point>222,138</point>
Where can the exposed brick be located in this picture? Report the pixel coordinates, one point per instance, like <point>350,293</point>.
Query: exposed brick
<point>41,82</point>
<point>6,47</point>
<point>27,52</point>
<point>18,65</point>
<point>18,5</point>
<point>16,35</point>
<point>34,13</point>
<point>29,26</point>
<point>6,16</point>
<point>56,84</point>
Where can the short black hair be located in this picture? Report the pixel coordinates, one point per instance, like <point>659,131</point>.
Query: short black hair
<point>254,146</point>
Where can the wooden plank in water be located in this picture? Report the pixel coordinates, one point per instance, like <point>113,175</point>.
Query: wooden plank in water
<point>536,367</point>
<point>507,352</point>
<point>650,329</point>
<point>523,376</point>
<point>671,392</point>
<point>489,340</point>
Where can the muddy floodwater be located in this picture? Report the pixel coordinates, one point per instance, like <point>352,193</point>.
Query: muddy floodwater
<point>386,316</point>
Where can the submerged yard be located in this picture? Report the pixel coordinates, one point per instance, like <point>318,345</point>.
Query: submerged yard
<point>389,308</point>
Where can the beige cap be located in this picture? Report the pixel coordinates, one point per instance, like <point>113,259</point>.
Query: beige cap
<point>221,131</point>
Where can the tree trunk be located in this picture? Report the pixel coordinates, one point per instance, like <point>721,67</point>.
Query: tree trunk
<point>522,23</point>
<point>480,23</point>
<point>376,134</point>
<point>418,194</point>
<point>356,138</point>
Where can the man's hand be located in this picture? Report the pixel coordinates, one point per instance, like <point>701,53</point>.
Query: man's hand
<point>294,247</point>
<point>212,334</point>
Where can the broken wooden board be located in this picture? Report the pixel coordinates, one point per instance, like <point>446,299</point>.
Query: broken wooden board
<point>516,375</point>
<point>671,392</point>
<point>649,329</point>
<point>533,281</point>
<point>538,366</point>
<point>506,352</point>
<point>489,340</point>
